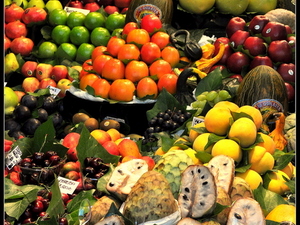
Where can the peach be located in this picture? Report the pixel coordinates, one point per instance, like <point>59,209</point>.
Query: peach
<point>129,147</point>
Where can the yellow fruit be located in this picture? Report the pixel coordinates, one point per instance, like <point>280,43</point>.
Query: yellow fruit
<point>197,6</point>
<point>227,147</point>
<point>191,153</point>
<point>261,6</point>
<point>251,177</point>
<point>283,212</point>
<point>232,106</point>
<point>277,182</point>
<point>289,170</point>
<point>159,151</point>
<point>234,7</point>
<point>217,120</point>
<point>243,131</point>
<point>193,134</point>
<point>268,143</point>
<point>200,143</point>
<point>254,113</point>
<point>261,161</point>
<point>10,100</point>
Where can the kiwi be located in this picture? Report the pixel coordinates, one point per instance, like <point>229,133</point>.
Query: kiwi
<point>108,124</point>
<point>91,124</point>
<point>79,117</point>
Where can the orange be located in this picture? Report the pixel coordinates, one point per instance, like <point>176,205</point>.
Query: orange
<point>99,50</point>
<point>136,70</point>
<point>171,55</point>
<point>160,38</point>
<point>113,69</point>
<point>147,86</point>
<point>138,37</point>
<point>86,80</point>
<point>114,44</point>
<point>100,36</point>
<point>128,52</point>
<point>122,90</point>
<point>159,68</point>
<point>101,87</point>
<point>99,62</point>
<point>150,52</point>
<point>115,21</point>
<point>169,82</point>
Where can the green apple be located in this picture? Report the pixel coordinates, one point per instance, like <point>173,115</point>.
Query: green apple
<point>53,4</point>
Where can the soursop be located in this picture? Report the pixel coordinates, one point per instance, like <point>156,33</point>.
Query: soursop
<point>240,189</point>
<point>150,199</point>
<point>171,165</point>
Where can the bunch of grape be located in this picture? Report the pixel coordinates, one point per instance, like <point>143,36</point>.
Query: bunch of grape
<point>168,121</point>
<point>210,97</point>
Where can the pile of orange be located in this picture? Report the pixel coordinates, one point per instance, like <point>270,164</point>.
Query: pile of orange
<point>134,64</point>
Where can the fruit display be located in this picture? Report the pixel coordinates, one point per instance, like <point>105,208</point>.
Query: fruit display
<point>149,112</point>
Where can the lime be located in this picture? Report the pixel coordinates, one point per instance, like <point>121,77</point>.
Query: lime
<point>84,52</point>
<point>61,34</point>
<point>47,50</point>
<point>79,35</point>
<point>117,32</point>
<point>75,19</point>
<point>114,21</point>
<point>57,17</point>
<point>100,36</point>
<point>93,20</point>
<point>66,51</point>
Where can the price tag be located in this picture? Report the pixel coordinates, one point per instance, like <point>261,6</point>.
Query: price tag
<point>197,120</point>
<point>72,9</point>
<point>114,118</point>
<point>53,91</point>
<point>67,186</point>
<point>13,157</point>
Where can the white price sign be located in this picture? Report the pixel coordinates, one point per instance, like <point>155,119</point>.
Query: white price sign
<point>67,186</point>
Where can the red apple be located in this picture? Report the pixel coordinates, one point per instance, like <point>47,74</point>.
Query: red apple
<point>63,84</point>
<point>234,24</point>
<point>150,161</point>
<point>255,46</point>
<point>92,6</point>
<point>59,72</point>
<point>122,3</point>
<point>228,50</point>
<point>292,41</point>
<point>257,24</point>
<point>110,9</point>
<point>236,61</point>
<point>71,140</point>
<point>72,154</point>
<point>75,4</point>
<point>287,71</point>
<point>88,1</point>
<point>238,38</point>
<point>7,42</point>
<point>44,83</point>
<point>221,66</point>
<point>274,30</point>
<point>29,68</point>
<point>43,70</point>
<point>238,76</point>
<point>111,147</point>
<point>129,27</point>
<point>261,60</point>
<point>124,10</point>
<point>288,29</point>
<point>280,51</point>
<point>290,91</point>
<point>30,84</point>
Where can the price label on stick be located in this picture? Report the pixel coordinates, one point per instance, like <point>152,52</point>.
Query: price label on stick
<point>66,185</point>
<point>13,157</point>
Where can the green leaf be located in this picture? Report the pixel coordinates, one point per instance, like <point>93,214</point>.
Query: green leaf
<point>164,140</point>
<point>268,200</point>
<point>56,205</point>
<point>282,159</point>
<point>213,138</point>
<point>204,157</point>
<point>25,144</point>
<point>101,183</point>
<point>213,81</point>
<point>44,136</point>
<point>51,221</point>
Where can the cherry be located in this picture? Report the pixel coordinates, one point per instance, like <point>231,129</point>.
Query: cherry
<point>62,221</point>
<point>37,206</point>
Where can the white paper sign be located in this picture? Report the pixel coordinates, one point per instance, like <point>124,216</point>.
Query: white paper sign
<point>13,157</point>
<point>72,9</point>
<point>197,120</point>
<point>67,186</point>
<point>53,91</point>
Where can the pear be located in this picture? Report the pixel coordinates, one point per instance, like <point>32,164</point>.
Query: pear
<point>11,63</point>
<point>53,4</point>
<point>10,100</point>
<point>7,2</point>
<point>37,3</point>
<point>21,3</point>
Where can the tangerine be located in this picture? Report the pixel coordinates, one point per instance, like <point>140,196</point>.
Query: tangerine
<point>122,90</point>
<point>113,69</point>
<point>147,87</point>
<point>136,70</point>
<point>169,82</point>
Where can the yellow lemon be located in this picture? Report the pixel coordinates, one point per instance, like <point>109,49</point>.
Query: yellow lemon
<point>227,147</point>
<point>277,182</point>
<point>243,130</point>
<point>232,106</point>
<point>200,143</point>
<point>283,212</point>
<point>217,120</point>
<point>289,170</point>
<point>268,143</point>
<point>251,177</point>
<point>193,134</point>
<point>261,160</point>
<point>254,113</point>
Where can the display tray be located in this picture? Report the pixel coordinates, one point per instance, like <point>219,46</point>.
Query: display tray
<point>132,113</point>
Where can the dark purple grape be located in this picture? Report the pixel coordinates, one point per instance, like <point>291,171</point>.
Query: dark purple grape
<point>166,116</point>
<point>160,121</point>
<point>160,114</point>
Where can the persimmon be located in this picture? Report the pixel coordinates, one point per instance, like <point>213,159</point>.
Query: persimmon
<point>136,70</point>
<point>99,50</point>
<point>128,52</point>
<point>87,80</point>
<point>114,44</point>
<point>160,38</point>
<point>171,55</point>
<point>169,82</point>
<point>113,69</point>
<point>122,90</point>
<point>99,62</point>
<point>146,86</point>
<point>138,36</point>
<point>159,68</point>
<point>150,52</point>
<point>101,87</point>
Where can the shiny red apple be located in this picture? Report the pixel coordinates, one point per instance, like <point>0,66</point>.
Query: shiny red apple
<point>59,72</point>
<point>238,38</point>
<point>290,91</point>
<point>228,50</point>
<point>237,76</point>
<point>287,72</point>
<point>44,83</point>
<point>255,46</point>
<point>257,23</point>
<point>280,51</point>
<point>234,24</point>
<point>75,4</point>
<point>29,68</point>
<point>110,9</point>
<point>92,6</point>
<point>260,60</point>
<point>275,31</point>
<point>237,61</point>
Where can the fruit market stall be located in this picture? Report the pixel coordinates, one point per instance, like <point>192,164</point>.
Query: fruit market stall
<point>149,112</point>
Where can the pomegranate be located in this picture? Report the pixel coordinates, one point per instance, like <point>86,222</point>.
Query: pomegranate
<point>7,42</point>
<point>13,12</point>
<point>34,15</point>
<point>22,45</point>
<point>15,29</point>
